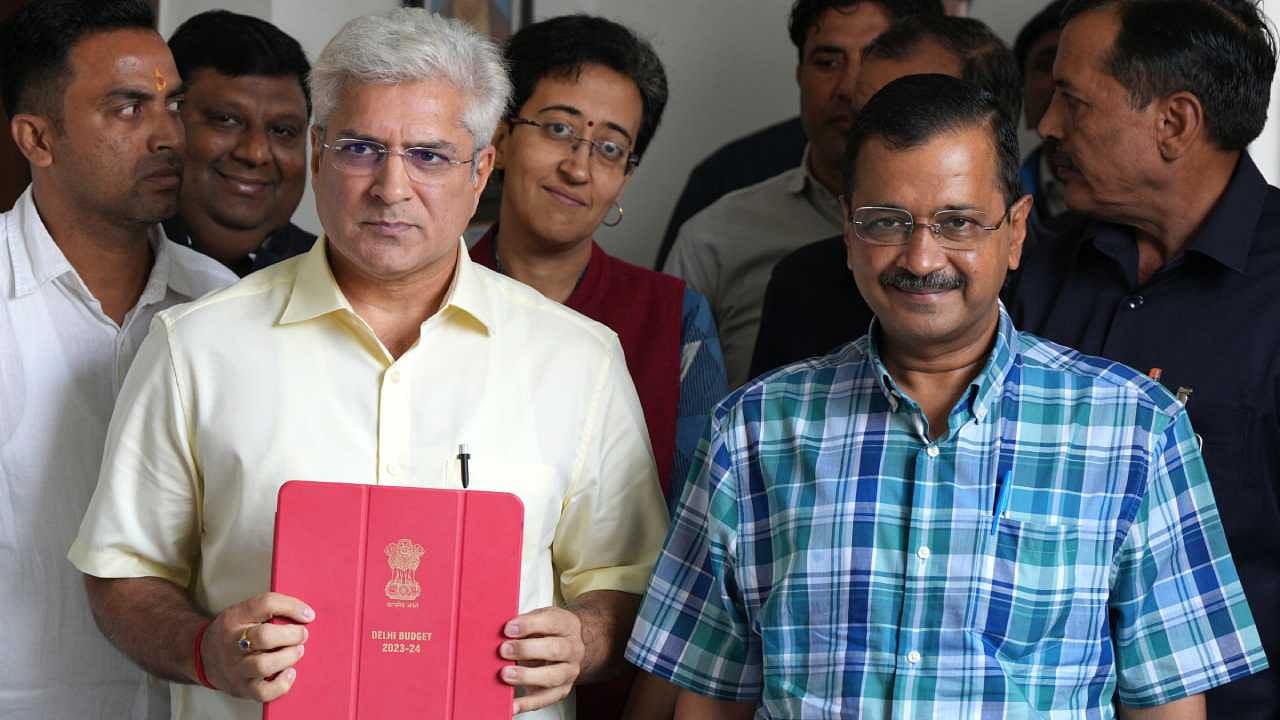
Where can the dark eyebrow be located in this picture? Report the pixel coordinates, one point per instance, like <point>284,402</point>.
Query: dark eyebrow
<point>289,117</point>
<point>118,94</point>
<point>562,108</point>
<point>570,110</point>
<point>895,206</point>
<point>136,95</point>
<point>619,129</point>
<point>829,49</point>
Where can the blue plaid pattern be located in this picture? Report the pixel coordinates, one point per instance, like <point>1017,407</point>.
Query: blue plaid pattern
<point>828,560</point>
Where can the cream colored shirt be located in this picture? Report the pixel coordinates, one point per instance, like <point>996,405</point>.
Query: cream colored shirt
<point>727,252</point>
<point>276,378</point>
<point>62,362</point>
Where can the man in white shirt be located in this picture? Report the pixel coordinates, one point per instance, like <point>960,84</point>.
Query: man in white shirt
<point>91,92</point>
<point>370,359</point>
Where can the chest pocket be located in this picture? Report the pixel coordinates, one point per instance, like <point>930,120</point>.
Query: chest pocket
<point>1034,586</point>
<point>1242,489</point>
<point>538,487</point>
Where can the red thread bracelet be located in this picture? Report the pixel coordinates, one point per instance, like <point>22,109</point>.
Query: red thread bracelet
<point>204,679</point>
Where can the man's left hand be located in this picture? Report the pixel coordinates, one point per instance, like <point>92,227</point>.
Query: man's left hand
<point>547,645</point>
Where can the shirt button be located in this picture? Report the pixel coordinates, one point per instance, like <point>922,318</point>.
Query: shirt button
<point>932,451</point>
<point>923,552</point>
<point>394,376</point>
<point>913,657</point>
<point>393,469</point>
<point>1134,302</point>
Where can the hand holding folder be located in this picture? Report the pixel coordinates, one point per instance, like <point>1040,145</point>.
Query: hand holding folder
<point>411,587</point>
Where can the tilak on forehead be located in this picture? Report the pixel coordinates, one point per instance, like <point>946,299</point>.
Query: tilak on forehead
<point>161,81</point>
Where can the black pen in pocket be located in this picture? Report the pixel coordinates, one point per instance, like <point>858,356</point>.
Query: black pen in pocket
<point>1002,499</point>
<point>464,462</point>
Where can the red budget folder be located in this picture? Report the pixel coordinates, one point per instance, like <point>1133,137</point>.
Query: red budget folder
<point>411,589</point>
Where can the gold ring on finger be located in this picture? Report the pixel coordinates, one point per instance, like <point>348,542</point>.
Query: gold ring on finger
<point>244,643</point>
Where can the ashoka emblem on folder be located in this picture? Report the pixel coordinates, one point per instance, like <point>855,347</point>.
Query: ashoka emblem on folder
<point>403,556</point>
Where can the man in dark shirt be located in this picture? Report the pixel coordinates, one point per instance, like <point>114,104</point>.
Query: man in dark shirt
<point>1155,105</point>
<point>246,120</point>
<point>811,304</point>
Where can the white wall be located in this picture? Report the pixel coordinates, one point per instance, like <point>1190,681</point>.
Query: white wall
<point>1265,151</point>
<point>174,12</point>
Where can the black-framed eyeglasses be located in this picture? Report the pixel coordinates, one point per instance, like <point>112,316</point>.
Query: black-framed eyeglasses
<point>609,153</point>
<point>356,156</point>
<point>955,229</point>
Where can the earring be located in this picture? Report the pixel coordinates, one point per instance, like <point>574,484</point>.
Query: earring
<point>617,222</point>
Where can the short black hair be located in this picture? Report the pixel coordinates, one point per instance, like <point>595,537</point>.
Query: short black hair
<point>1044,22</point>
<point>1221,51</point>
<point>561,46</point>
<point>912,110</point>
<point>985,59</point>
<point>35,47</point>
<point>237,45</point>
<point>806,13</point>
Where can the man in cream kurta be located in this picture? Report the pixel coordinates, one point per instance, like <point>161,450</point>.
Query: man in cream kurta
<point>207,430</point>
<point>369,360</point>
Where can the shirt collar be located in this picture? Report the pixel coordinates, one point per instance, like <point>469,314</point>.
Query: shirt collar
<point>316,292</point>
<point>1225,236</point>
<point>802,178</point>
<point>37,259</point>
<point>984,390</point>
<point>801,182</point>
<point>277,244</point>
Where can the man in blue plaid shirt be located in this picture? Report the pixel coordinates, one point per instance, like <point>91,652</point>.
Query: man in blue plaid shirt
<point>947,517</point>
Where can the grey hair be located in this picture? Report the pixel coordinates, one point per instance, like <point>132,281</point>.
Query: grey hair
<point>409,45</point>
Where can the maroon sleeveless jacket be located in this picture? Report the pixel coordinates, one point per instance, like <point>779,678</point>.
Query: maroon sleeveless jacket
<point>646,310</point>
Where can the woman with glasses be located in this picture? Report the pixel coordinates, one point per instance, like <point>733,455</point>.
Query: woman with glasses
<point>588,96</point>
